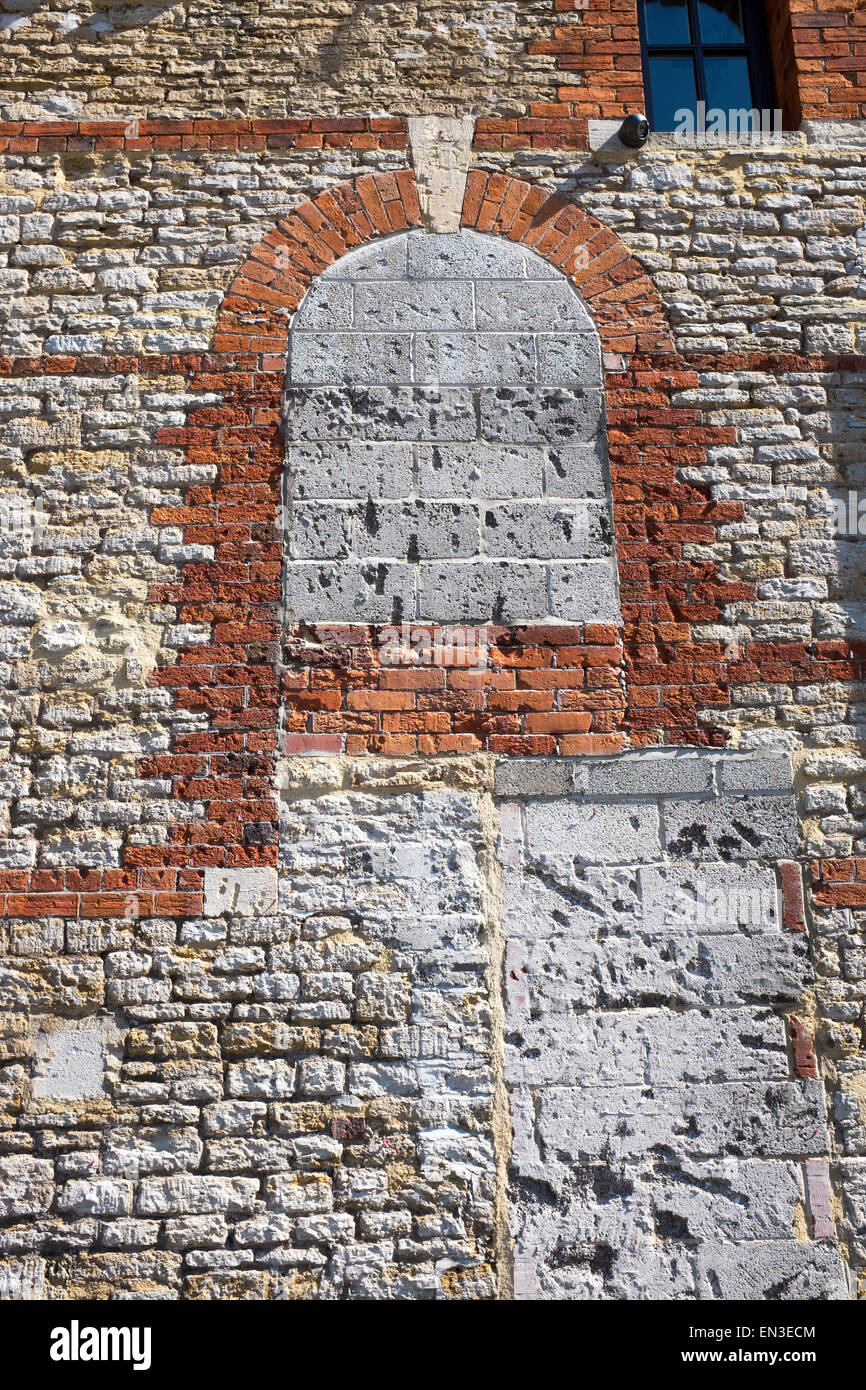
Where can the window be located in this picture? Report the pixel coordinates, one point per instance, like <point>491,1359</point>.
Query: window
<point>709,58</point>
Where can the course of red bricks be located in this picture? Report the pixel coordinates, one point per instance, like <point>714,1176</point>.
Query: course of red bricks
<point>95,893</point>
<point>544,689</point>
<point>58,137</point>
<point>839,882</point>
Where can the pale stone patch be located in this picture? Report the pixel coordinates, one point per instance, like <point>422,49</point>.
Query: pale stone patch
<point>75,1058</point>
<point>441,153</point>
<point>242,892</point>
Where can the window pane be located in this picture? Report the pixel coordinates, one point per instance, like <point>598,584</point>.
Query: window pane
<point>728,84</point>
<point>721,21</point>
<point>672,87</point>
<point>667,21</point>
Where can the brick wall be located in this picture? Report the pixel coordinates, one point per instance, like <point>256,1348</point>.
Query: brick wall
<point>829,59</point>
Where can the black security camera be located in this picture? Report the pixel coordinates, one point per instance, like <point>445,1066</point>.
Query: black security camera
<point>634,130</point>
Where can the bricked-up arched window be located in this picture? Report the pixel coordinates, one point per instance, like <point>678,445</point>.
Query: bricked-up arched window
<point>445,433</point>
<point>703,56</point>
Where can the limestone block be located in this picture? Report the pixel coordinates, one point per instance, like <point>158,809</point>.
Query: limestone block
<point>239,892</point>
<point>75,1059</point>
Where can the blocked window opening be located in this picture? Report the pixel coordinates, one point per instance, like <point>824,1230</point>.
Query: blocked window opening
<point>445,440</point>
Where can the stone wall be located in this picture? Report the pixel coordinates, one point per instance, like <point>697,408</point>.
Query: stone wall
<point>424,382</point>
<point>333,965</point>
<point>669,1140</point>
<point>276,59</point>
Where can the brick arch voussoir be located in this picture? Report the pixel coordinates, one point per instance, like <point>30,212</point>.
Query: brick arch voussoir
<point>256,312</point>
<point>619,294</point>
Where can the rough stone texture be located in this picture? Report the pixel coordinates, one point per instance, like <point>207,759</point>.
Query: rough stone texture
<point>276,59</point>
<point>307,1087</point>
<point>441,155</point>
<point>434,348</point>
<point>662,1127</point>
<point>147,281</point>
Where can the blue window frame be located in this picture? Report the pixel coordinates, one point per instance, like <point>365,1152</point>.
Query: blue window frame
<point>715,52</point>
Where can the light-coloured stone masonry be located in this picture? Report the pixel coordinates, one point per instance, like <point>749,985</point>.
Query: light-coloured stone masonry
<point>312,1090</point>
<point>666,1142</point>
<point>275,59</point>
<point>751,249</point>
<point>256,1021</point>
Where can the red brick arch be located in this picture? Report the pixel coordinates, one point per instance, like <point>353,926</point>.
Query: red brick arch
<point>619,294</point>
<point>548,689</point>
<point>255,315</point>
<point>256,312</point>
<point>333,701</point>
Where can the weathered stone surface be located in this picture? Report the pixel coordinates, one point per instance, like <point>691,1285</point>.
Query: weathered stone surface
<point>437,342</point>
<point>75,1060</point>
<point>572,832</point>
<point>751,828</point>
<point>747,1119</point>
<point>658,1136</point>
<point>244,892</point>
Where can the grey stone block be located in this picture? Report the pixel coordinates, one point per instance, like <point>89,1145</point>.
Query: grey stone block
<point>248,892</point>
<point>584,592</point>
<point>384,259</point>
<point>258,1078</point>
<point>190,1193</point>
<point>725,1200</point>
<point>746,1119</point>
<point>543,415</point>
<point>576,470</point>
<point>96,1197</point>
<point>683,970</point>
<point>405,305</point>
<point>326,306</point>
<point>380,413</point>
<point>482,591</point>
<point>709,898</point>
<point>534,777</point>
<point>650,774</point>
<point>376,359</point>
<point>569,358</point>
<point>320,531</point>
<point>565,833</point>
<point>480,470</point>
<point>465,256</point>
<point>771,1271</point>
<point>367,592</point>
<point>548,898</point>
<point>554,306</point>
<point>679,1201</point>
<point>353,468</point>
<point>544,530</point>
<point>612,1269</point>
<point>757,827</point>
<point>475,358</point>
<point>413,530</point>
<point>766,775</point>
<point>651,1047</point>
